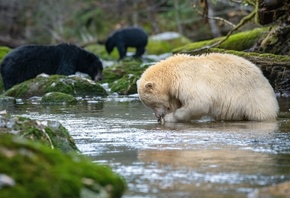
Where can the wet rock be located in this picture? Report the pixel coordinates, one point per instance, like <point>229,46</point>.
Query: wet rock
<point>42,84</point>
<point>58,98</point>
<point>29,169</point>
<point>6,100</point>
<point>126,85</point>
<point>122,76</point>
<point>50,133</point>
<point>281,190</point>
<point>121,69</point>
<point>5,180</point>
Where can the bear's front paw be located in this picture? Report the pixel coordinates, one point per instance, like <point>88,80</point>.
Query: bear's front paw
<point>169,118</point>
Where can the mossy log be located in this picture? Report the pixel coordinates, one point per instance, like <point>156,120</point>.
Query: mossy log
<point>240,41</point>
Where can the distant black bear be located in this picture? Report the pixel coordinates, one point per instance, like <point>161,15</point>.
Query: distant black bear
<point>26,62</point>
<point>127,37</point>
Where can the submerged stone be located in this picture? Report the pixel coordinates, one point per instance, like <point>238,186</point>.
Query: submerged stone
<point>29,169</point>
<point>6,100</point>
<point>42,84</point>
<point>58,98</point>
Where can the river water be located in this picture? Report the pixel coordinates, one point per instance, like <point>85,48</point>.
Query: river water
<point>202,159</point>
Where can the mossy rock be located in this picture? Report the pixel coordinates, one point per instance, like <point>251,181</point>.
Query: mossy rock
<point>42,84</point>
<point>58,98</point>
<point>123,68</point>
<point>30,169</point>
<point>126,85</point>
<point>161,44</point>
<point>239,42</point>
<point>50,133</point>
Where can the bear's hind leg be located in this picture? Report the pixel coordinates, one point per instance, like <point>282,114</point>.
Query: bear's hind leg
<point>122,51</point>
<point>139,52</point>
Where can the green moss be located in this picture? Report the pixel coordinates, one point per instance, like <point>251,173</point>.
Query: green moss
<point>126,85</point>
<point>158,47</point>
<point>50,133</point>
<point>38,171</point>
<point>121,69</point>
<point>58,97</point>
<point>165,46</point>
<point>71,85</point>
<point>3,52</point>
<point>239,41</point>
<point>123,76</point>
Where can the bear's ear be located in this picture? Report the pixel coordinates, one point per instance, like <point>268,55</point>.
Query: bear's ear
<point>149,86</point>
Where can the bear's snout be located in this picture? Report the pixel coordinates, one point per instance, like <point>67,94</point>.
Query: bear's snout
<point>159,115</point>
<point>98,77</point>
<point>161,120</point>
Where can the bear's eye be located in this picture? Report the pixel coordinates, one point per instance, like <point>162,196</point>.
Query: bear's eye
<point>168,108</point>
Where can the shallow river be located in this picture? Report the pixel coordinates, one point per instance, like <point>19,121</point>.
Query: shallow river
<point>201,159</point>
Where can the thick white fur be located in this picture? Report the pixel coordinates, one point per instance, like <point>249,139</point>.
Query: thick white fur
<point>223,86</point>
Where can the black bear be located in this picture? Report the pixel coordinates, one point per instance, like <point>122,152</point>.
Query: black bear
<point>26,62</point>
<point>127,37</point>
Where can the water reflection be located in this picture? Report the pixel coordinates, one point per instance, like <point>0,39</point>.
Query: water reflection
<point>200,159</point>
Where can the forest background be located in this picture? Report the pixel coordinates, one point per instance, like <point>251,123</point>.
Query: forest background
<point>82,22</point>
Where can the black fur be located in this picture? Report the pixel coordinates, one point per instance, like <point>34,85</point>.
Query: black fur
<point>26,62</point>
<point>127,37</point>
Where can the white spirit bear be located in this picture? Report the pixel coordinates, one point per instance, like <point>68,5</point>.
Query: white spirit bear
<point>182,88</point>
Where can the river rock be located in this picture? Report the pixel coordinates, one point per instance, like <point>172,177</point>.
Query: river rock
<point>42,84</point>
<point>58,98</point>
<point>29,169</point>
<point>126,85</point>
<point>49,133</point>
